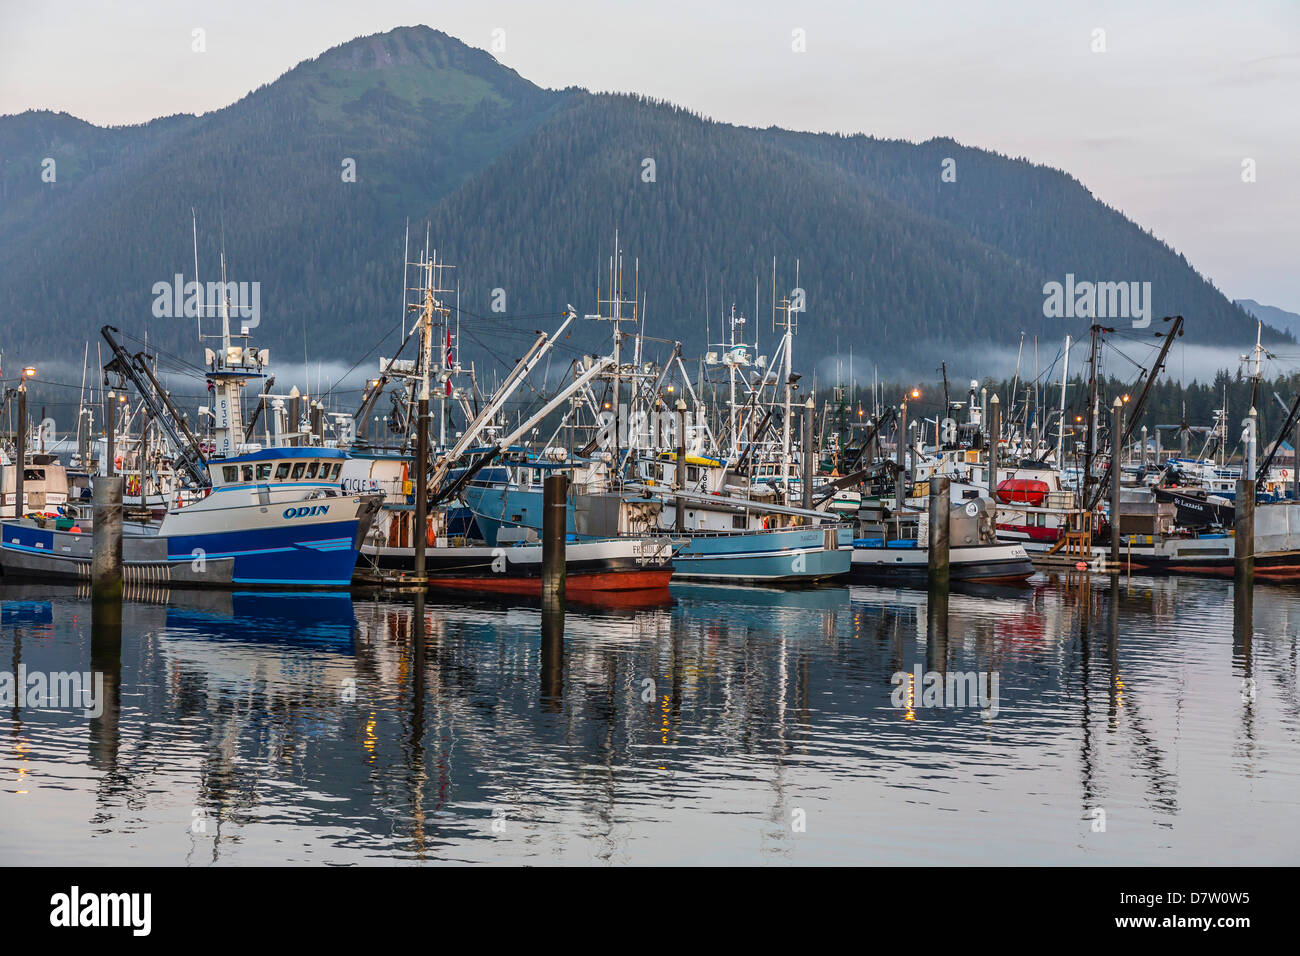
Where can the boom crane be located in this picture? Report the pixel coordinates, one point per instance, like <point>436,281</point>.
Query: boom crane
<point>189,459</point>
<point>1135,414</point>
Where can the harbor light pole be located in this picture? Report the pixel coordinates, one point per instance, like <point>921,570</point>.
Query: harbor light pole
<point>20,443</point>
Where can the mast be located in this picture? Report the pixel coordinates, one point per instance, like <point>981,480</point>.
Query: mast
<point>615,317</point>
<point>947,406</point>
<point>1060,426</point>
<point>1091,447</point>
<point>787,344</point>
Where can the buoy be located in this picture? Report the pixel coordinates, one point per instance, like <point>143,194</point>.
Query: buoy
<point>1080,566</point>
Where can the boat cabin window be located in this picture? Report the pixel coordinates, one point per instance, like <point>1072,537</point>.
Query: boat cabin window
<point>230,473</point>
<point>33,474</point>
<point>264,471</point>
<point>692,472</point>
<point>738,521</point>
<point>334,472</point>
<point>281,470</point>
<point>298,470</point>
<point>248,473</point>
<point>311,469</point>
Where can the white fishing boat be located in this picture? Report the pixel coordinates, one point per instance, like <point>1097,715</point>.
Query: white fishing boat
<point>258,516</point>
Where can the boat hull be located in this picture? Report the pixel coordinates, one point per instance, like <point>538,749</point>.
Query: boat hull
<point>781,556</point>
<point>590,567</point>
<point>994,563</point>
<point>1195,511</point>
<point>272,549</point>
<point>790,556</point>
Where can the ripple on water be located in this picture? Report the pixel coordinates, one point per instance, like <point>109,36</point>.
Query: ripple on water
<point>732,725</point>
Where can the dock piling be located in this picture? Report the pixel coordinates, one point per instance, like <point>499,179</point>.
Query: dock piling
<point>1244,534</point>
<point>940,508</point>
<point>106,558</point>
<point>555,492</point>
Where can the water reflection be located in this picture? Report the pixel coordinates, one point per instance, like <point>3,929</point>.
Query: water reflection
<point>1132,720</point>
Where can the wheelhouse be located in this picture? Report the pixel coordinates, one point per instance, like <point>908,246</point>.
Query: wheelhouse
<point>278,467</point>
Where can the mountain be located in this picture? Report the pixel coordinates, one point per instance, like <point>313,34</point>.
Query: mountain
<point>1271,315</point>
<point>523,188</point>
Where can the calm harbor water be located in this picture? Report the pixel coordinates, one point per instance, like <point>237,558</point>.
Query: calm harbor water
<point>1139,724</point>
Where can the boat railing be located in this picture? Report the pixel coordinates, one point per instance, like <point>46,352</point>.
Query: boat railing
<point>1054,502</point>
<point>822,526</point>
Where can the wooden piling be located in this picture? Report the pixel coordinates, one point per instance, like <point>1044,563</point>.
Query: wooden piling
<point>106,559</point>
<point>940,508</point>
<point>1244,534</point>
<point>555,495</point>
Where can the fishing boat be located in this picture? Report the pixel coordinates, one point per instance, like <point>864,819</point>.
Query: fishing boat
<point>974,551</point>
<point>44,486</point>
<point>720,537</point>
<point>508,565</point>
<point>457,554</point>
<point>273,517</point>
<point>628,480</point>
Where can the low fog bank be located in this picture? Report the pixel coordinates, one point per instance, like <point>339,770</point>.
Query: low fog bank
<point>58,381</point>
<point>1186,363</point>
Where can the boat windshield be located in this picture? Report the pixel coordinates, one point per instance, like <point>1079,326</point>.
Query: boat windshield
<point>279,471</point>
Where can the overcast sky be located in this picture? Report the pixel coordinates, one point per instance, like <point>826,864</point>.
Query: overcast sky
<point>1157,125</point>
